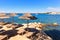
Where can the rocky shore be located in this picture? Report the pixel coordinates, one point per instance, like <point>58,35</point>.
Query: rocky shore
<point>11,31</point>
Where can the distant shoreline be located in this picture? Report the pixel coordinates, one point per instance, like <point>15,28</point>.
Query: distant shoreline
<point>35,13</point>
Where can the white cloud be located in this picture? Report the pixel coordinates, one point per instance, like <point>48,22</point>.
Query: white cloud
<point>2,11</point>
<point>57,9</point>
<point>48,9</point>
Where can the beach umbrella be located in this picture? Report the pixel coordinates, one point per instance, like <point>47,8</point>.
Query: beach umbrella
<point>12,15</point>
<point>4,17</point>
<point>27,16</point>
<point>2,14</point>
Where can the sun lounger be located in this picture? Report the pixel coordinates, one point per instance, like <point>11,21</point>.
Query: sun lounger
<point>21,31</point>
<point>1,27</point>
<point>3,37</point>
<point>1,31</point>
<point>28,34</point>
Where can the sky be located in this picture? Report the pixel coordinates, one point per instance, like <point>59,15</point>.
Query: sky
<point>32,6</point>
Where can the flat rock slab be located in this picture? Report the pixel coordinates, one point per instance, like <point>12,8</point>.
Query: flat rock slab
<point>28,34</point>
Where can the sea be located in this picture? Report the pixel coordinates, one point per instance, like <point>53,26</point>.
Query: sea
<point>53,32</point>
<point>41,17</point>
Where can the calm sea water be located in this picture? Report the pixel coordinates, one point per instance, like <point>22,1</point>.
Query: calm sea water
<point>43,18</point>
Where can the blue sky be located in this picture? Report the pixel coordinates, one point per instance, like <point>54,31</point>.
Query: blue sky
<point>20,6</point>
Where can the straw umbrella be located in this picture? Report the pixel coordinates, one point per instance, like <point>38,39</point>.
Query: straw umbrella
<point>4,17</point>
<point>27,16</point>
<point>12,15</point>
<point>2,14</point>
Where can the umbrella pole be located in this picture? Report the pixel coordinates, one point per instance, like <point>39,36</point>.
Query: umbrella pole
<point>13,20</point>
<point>2,20</point>
<point>27,23</point>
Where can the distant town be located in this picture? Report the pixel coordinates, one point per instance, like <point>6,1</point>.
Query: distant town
<point>53,12</point>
